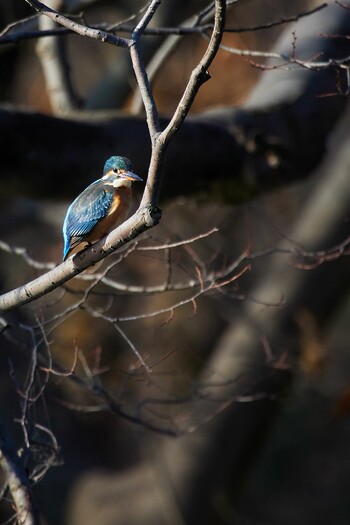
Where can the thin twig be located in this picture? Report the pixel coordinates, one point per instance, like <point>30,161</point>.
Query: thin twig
<point>97,34</point>
<point>8,35</point>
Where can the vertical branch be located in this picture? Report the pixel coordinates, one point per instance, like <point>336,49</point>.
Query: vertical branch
<point>17,481</point>
<point>153,67</point>
<point>200,74</point>
<point>168,47</point>
<point>198,77</point>
<point>140,71</point>
<point>29,386</point>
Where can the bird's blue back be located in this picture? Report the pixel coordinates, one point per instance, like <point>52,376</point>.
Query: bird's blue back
<point>85,212</point>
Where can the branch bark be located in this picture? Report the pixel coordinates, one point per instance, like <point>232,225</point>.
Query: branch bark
<point>18,483</point>
<point>144,219</point>
<point>96,34</point>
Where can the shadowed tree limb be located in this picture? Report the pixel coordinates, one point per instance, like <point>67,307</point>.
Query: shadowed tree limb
<point>17,481</point>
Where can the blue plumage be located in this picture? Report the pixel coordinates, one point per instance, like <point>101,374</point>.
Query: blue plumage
<point>95,204</point>
<point>85,212</point>
<point>119,163</point>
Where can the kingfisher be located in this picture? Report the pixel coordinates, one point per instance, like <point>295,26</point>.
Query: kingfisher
<point>100,207</point>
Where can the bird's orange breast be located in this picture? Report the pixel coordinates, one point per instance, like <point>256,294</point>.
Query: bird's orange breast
<point>117,214</point>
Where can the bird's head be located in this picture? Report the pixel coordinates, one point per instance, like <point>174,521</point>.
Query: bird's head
<point>118,172</point>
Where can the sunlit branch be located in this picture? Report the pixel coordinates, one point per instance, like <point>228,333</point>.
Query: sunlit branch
<point>199,75</point>
<point>142,220</point>
<point>140,71</point>
<point>83,30</point>
<point>8,35</point>
<point>148,214</point>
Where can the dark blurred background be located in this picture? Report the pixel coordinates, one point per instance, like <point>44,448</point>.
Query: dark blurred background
<point>264,158</point>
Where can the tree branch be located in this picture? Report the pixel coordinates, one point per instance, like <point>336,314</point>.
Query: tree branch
<point>7,35</point>
<point>198,77</point>
<point>143,220</point>
<point>17,481</point>
<point>96,34</point>
<point>140,71</point>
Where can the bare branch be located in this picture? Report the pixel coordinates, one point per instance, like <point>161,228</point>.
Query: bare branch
<point>189,26</point>
<point>22,252</point>
<point>18,483</point>
<point>140,71</point>
<point>115,324</point>
<point>141,221</point>
<point>199,75</point>
<point>8,35</point>
<point>96,34</point>
<point>176,244</point>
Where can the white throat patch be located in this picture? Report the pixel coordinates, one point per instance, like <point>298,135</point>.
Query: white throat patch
<point>116,183</point>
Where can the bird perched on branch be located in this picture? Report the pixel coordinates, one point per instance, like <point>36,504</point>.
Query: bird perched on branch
<point>100,207</point>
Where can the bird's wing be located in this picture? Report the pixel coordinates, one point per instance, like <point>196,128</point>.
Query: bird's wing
<point>87,209</point>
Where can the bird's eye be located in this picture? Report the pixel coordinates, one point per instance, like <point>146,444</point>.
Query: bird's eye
<point>115,170</point>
